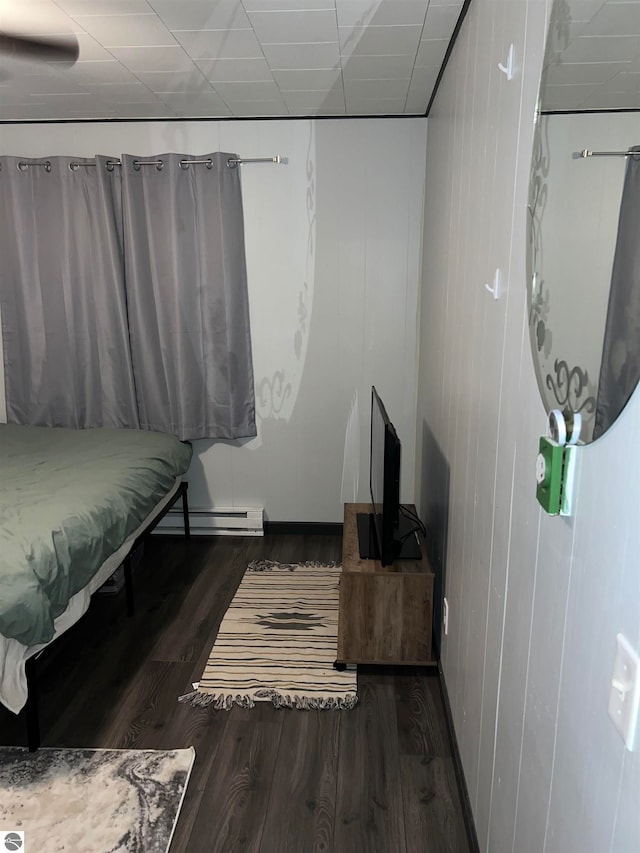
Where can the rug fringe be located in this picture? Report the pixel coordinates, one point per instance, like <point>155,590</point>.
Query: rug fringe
<point>225,702</point>
<point>268,565</point>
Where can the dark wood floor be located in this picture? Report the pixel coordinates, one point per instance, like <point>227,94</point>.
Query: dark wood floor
<point>377,778</point>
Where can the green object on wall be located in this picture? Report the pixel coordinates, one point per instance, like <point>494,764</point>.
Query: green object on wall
<point>549,472</point>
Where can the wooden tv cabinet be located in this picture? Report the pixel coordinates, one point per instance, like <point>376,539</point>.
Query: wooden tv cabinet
<point>386,612</point>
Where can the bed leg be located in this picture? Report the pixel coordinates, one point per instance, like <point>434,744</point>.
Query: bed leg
<point>32,715</point>
<point>128,585</point>
<point>185,511</point>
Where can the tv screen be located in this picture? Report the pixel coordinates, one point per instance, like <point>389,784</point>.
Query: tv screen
<point>385,533</point>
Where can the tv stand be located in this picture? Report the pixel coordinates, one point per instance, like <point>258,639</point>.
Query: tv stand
<point>385,614</point>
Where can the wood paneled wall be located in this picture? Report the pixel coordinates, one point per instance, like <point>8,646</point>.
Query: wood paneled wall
<point>535,601</point>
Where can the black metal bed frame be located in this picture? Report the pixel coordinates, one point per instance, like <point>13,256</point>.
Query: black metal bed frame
<point>30,711</point>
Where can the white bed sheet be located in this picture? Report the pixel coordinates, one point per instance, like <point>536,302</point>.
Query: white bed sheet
<point>14,655</point>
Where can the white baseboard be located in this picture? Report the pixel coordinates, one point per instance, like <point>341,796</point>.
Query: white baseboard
<point>216,521</point>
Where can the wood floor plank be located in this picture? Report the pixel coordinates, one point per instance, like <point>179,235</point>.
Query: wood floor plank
<point>236,795</point>
<point>195,619</point>
<point>369,808</point>
<point>422,727</point>
<point>432,821</point>
<point>302,805</point>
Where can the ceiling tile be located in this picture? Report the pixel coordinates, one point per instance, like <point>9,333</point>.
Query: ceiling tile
<point>615,19</point>
<point>123,93</point>
<point>307,103</point>
<point>381,67</point>
<point>583,10</point>
<point>102,71</point>
<point>288,5</point>
<point>317,55</point>
<point>153,58</point>
<point>234,69</point>
<point>103,7</point>
<point>300,80</point>
<point>257,108</point>
<point>376,106</point>
<point>178,81</point>
<point>48,83</point>
<point>201,14</point>
<point>127,30</point>
<point>602,49</point>
<point>250,91</point>
<point>419,95</point>
<point>583,72</point>
<point>623,82</point>
<point>372,89</point>
<point>91,49</point>
<point>225,44</point>
<point>359,13</point>
<point>196,103</point>
<point>155,109</point>
<point>424,79</point>
<point>440,22</point>
<point>283,27</point>
<point>613,101</point>
<point>431,52</point>
<point>566,97</point>
<point>379,40</point>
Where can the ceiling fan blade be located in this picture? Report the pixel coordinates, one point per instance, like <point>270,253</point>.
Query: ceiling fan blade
<point>40,48</point>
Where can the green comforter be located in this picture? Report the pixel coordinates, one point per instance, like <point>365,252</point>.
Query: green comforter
<point>68,499</point>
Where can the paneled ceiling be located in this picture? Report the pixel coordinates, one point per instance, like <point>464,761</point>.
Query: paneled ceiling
<point>227,58</point>
<point>593,56</point>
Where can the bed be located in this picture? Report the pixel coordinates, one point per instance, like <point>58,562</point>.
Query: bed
<point>73,503</point>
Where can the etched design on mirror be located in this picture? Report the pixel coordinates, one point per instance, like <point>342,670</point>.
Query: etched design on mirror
<point>569,387</point>
<point>561,383</point>
<point>539,297</point>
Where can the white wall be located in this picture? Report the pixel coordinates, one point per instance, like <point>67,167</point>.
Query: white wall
<point>333,253</point>
<point>535,601</point>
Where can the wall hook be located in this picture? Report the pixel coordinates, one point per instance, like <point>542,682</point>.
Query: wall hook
<point>495,289</point>
<point>508,68</point>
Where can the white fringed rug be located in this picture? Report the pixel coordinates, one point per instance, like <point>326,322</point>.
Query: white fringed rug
<point>278,641</point>
<point>91,800</point>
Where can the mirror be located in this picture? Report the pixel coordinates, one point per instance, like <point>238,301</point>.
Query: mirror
<point>579,237</point>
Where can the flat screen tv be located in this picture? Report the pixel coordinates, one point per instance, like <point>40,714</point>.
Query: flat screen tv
<point>388,531</point>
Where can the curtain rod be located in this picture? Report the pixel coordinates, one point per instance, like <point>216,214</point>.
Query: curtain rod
<point>586,153</point>
<point>232,162</point>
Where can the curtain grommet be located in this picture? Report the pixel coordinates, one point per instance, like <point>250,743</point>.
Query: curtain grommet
<point>22,166</point>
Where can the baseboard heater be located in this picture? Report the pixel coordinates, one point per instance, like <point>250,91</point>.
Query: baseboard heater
<point>216,521</point>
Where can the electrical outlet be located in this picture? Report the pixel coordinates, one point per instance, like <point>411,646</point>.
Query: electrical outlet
<point>624,698</point>
<point>445,616</point>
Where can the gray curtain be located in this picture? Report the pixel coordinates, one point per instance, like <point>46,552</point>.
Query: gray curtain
<point>187,295</point>
<point>62,296</point>
<point>620,367</point>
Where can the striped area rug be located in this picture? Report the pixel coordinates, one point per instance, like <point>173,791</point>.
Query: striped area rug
<point>277,642</point>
